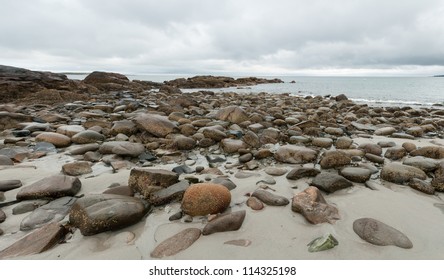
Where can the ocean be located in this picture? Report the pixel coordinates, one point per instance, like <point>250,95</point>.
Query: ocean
<point>378,91</point>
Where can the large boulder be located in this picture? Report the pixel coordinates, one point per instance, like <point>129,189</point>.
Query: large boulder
<point>399,174</point>
<point>107,81</point>
<point>312,205</point>
<point>156,125</point>
<point>97,213</point>
<point>148,181</point>
<point>205,198</point>
<point>51,187</point>
<point>295,154</point>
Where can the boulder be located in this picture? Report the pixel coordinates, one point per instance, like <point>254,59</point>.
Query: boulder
<point>333,159</point>
<point>122,148</point>
<point>312,205</point>
<point>147,181</point>
<point>87,136</point>
<point>77,168</point>
<point>156,125</point>
<point>51,187</point>
<point>399,174</point>
<point>97,213</point>
<point>295,154</point>
<point>330,182</point>
<point>232,114</point>
<point>205,198</point>
<point>58,140</point>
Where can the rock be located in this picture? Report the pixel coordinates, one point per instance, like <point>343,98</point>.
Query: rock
<point>58,140</point>
<point>54,211</point>
<point>176,243</point>
<point>97,213</point>
<point>275,171</point>
<point>245,158</point>
<point>11,120</point>
<point>378,233</point>
<point>423,163</point>
<point>386,144</point>
<point>430,152</point>
<point>181,142</point>
<point>415,131</point>
<point>374,158</point>
<point>399,174</point>
<point>438,181</point>
<point>51,187</point>
<point>2,216</point>
<point>267,180</point>
<point>205,198</point>
<point>330,182</point>
<point>333,159</point>
<point>270,198</point>
<point>251,139</point>
<point>402,136</point>
<point>312,205</point>
<point>126,127</point>
<point>120,190</point>
<point>214,133</point>
<point>122,148</point>
<point>232,145</point>
<point>356,174</point>
<point>295,154</point>
<point>385,131</point>
<point>225,182</point>
<point>421,186</point>
<point>70,130</point>
<point>45,147</point>
<point>147,181</point>
<point>183,169</point>
<point>361,126</point>
<point>395,153</point>
<point>322,243</point>
<point>36,242</point>
<point>343,142</point>
<point>2,196</point>
<point>77,168</point>
<point>7,185</point>
<point>232,114</point>
<point>254,203</point>
<point>371,148</point>
<point>226,222</point>
<point>28,206</point>
<point>334,131</point>
<point>239,242</point>
<point>263,153</point>
<point>322,142</point>
<point>172,193</point>
<point>82,149</point>
<point>4,160</point>
<point>87,137</point>
<point>301,172</point>
<point>156,125</point>
<point>409,147</point>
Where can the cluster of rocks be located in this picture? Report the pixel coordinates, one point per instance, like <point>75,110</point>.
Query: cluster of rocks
<point>141,129</point>
<point>219,82</point>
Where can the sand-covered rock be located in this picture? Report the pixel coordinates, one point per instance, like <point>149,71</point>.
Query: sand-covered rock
<point>57,139</point>
<point>176,243</point>
<point>429,151</point>
<point>77,168</point>
<point>400,174</point>
<point>205,198</point>
<point>146,181</point>
<point>333,159</point>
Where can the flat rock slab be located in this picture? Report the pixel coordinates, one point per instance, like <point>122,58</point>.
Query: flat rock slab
<point>172,193</point>
<point>399,174</point>
<point>312,205</point>
<point>7,185</point>
<point>226,222</point>
<point>51,187</point>
<point>36,242</point>
<point>147,181</point>
<point>378,233</point>
<point>54,211</point>
<point>330,182</point>
<point>176,243</point>
<point>97,213</point>
<point>275,171</point>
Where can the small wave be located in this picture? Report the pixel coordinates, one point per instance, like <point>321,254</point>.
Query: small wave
<point>392,102</point>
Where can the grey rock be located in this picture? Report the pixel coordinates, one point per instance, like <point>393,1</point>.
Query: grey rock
<point>295,154</point>
<point>122,148</point>
<point>172,193</point>
<point>28,206</point>
<point>330,182</point>
<point>356,174</point>
<point>270,198</point>
<point>400,174</point>
<point>423,163</point>
<point>301,172</point>
<point>225,222</point>
<point>422,186</point>
<point>7,185</point>
<point>51,187</point>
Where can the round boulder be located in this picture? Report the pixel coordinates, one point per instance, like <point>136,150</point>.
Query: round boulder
<point>205,198</point>
<point>57,139</point>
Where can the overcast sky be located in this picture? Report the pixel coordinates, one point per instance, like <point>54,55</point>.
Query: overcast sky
<point>301,37</point>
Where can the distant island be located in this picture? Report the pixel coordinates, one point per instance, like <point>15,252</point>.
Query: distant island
<point>438,76</point>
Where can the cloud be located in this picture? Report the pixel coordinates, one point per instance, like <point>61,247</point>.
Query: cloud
<point>190,36</point>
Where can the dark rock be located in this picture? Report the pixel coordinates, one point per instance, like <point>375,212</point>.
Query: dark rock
<point>395,153</point>
<point>374,158</point>
<point>225,222</point>
<point>270,198</point>
<point>147,181</point>
<point>371,148</point>
<point>2,216</point>
<point>107,81</point>
<point>176,216</point>
<point>245,158</point>
<point>172,193</point>
<point>356,174</point>
<point>77,168</point>
<point>54,211</point>
<point>399,174</point>
<point>51,187</point>
<point>301,172</point>
<point>378,233</point>
<point>120,190</point>
<point>156,125</point>
<point>36,242</point>
<point>330,182</point>
<point>225,182</point>
<point>21,133</point>
<point>205,198</point>
<point>183,169</point>
<point>7,185</point>
<point>4,160</point>
<point>176,243</point>
<point>97,213</point>
<point>312,205</point>
<point>45,147</point>
<point>421,186</point>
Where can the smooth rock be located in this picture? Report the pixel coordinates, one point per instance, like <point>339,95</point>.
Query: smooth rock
<point>28,206</point>
<point>322,142</point>
<point>333,159</point>
<point>4,160</point>
<point>374,158</point>
<point>97,213</point>
<point>77,168</point>
<point>51,187</point>
<point>302,172</point>
<point>239,242</point>
<point>54,211</point>
<point>254,203</point>
<point>385,131</point>
<point>399,174</point>
<point>322,243</point>
<point>122,148</point>
<point>70,130</point>
<point>422,186</point>
<point>225,222</point>
<point>36,242</point>
<point>343,143</point>
<point>126,127</point>
<point>45,147</point>
<point>371,148</point>
<point>270,198</point>
<point>156,125</point>
<point>172,193</point>
<point>395,153</point>
<point>275,171</point>
<point>225,182</point>
<point>423,163</point>
<point>7,185</point>
<point>120,190</point>
<point>356,174</point>
<point>82,149</point>
<point>232,114</point>
<point>430,152</point>
<point>147,181</point>
<point>214,134</point>
<point>232,145</point>
<point>295,154</point>
<point>330,182</point>
<point>181,142</point>
<point>87,137</point>
<point>2,216</point>
<point>176,243</point>
<point>58,140</point>
<point>205,198</point>
<point>378,233</point>
<point>312,205</point>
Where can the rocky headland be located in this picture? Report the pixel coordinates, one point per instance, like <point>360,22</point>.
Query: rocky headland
<point>108,168</point>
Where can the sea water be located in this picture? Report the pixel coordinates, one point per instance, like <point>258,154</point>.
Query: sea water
<point>383,91</point>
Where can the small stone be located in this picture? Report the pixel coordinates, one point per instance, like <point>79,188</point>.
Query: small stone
<point>82,149</point>
<point>176,216</point>
<point>385,131</point>
<point>239,242</point>
<point>245,158</point>
<point>176,243</point>
<point>270,198</point>
<point>395,153</point>
<point>205,198</point>
<point>122,148</point>
<point>77,168</point>
<point>371,148</point>
<point>356,174</point>
<point>7,185</point>
<point>423,163</point>
<point>275,171</point>
<point>330,182</point>
<point>183,169</point>
<point>232,114</point>
<point>322,142</point>
<point>295,154</point>
<point>255,203</point>
<point>172,193</point>
<point>378,233</point>
<point>301,172</point>
<point>183,143</point>
<point>232,145</point>
<point>409,147</point>
<point>70,130</point>
<point>374,158</point>
<point>226,222</point>
<point>225,182</point>
<point>312,205</point>
<point>343,143</point>
<point>322,243</point>
<point>4,160</point>
<point>267,180</point>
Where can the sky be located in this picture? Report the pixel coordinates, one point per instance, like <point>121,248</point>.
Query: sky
<point>279,37</point>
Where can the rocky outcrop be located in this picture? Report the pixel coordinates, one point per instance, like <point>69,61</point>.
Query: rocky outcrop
<point>218,82</point>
